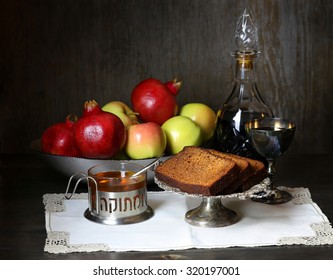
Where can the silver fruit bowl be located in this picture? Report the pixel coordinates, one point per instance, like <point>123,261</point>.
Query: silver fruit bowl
<point>69,166</point>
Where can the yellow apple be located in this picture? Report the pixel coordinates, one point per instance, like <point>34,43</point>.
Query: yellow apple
<point>123,111</point>
<point>202,115</point>
<point>145,140</point>
<point>181,131</point>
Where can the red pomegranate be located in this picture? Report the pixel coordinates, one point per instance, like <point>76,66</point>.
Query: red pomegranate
<point>174,86</point>
<point>98,134</point>
<point>58,139</point>
<point>155,101</point>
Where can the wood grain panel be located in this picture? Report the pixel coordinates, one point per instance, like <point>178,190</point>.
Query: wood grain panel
<point>56,54</point>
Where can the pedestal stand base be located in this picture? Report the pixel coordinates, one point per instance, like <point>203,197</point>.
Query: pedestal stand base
<point>211,213</point>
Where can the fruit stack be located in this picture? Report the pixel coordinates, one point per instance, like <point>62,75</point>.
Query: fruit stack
<point>153,125</point>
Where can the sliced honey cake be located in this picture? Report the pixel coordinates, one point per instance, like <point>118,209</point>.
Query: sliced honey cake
<point>244,173</point>
<point>196,170</point>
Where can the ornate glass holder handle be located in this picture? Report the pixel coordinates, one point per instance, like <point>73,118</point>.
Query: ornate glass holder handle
<point>271,137</point>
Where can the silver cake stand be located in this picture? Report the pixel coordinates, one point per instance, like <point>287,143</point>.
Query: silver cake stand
<point>211,212</point>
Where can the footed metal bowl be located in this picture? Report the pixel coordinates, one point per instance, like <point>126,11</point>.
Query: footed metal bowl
<point>71,165</point>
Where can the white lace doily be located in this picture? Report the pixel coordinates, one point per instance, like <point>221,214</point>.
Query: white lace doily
<point>299,222</point>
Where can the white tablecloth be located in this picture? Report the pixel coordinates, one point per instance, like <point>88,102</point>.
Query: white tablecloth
<point>300,221</point>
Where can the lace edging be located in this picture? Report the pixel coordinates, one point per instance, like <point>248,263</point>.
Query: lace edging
<point>54,202</point>
<point>57,242</point>
<point>324,236</point>
<point>300,195</point>
<point>323,231</point>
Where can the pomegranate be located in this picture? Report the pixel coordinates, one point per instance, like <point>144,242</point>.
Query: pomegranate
<point>98,134</point>
<point>174,86</point>
<point>154,101</point>
<point>58,139</point>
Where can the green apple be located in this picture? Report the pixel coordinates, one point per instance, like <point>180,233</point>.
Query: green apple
<point>123,111</point>
<point>202,115</point>
<point>181,131</point>
<point>145,140</point>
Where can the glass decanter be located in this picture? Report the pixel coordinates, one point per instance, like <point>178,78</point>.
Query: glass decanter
<point>245,102</point>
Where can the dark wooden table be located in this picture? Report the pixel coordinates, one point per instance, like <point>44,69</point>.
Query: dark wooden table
<point>25,178</point>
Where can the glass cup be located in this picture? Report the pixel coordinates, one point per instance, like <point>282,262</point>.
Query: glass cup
<point>115,196</point>
<point>271,138</point>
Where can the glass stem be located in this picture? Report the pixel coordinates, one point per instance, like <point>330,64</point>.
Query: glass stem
<point>271,173</point>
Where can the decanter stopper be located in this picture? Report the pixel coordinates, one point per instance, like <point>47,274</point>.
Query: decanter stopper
<point>246,35</point>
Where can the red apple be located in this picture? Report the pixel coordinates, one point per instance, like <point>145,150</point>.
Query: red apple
<point>145,140</point>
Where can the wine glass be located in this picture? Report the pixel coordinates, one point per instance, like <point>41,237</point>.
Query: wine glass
<point>271,137</point>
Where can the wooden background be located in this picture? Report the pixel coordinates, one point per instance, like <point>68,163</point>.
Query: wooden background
<point>56,54</point>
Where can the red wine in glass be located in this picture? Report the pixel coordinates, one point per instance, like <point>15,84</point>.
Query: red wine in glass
<point>271,137</point>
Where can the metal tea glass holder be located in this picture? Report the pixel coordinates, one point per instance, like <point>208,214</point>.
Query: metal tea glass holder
<point>112,208</point>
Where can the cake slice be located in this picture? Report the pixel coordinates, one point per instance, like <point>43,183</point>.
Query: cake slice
<point>244,166</point>
<point>259,173</point>
<point>195,170</point>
